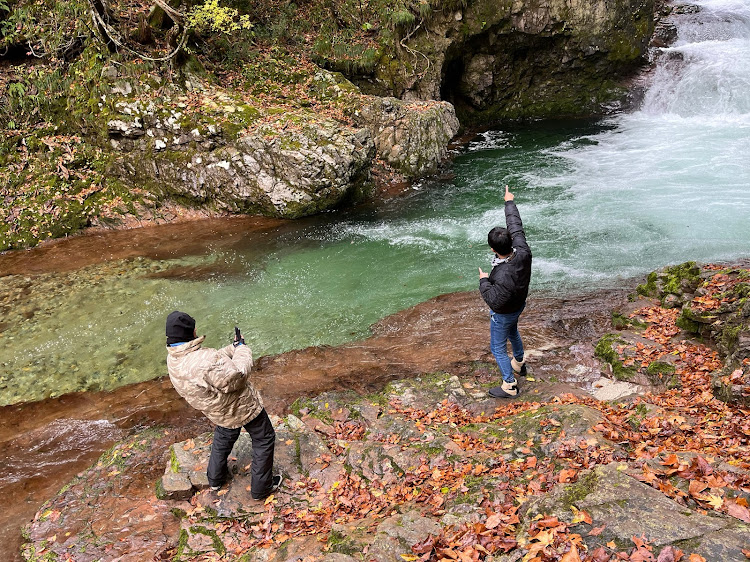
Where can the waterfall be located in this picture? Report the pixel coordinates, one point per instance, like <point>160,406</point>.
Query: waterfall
<point>706,73</point>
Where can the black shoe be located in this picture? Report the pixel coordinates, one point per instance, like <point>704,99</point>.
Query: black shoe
<point>275,484</point>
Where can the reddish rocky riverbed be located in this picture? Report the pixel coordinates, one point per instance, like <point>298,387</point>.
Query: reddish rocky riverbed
<point>44,444</point>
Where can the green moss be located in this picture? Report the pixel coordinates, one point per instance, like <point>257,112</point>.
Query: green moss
<point>689,321</point>
<point>159,491</point>
<point>301,404</point>
<point>605,349</point>
<point>677,274</point>
<point>182,544</point>
<point>174,464</point>
<point>212,534</point>
<point>580,490</point>
<point>340,543</point>
<point>178,513</point>
<point>621,322</point>
<point>671,280</point>
<point>729,335</point>
<point>648,289</point>
<point>659,372</point>
<point>639,414</point>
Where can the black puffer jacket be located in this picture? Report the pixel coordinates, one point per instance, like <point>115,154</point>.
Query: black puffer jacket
<point>506,288</point>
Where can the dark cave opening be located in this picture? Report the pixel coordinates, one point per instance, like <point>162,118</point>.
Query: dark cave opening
<point>450,85</point>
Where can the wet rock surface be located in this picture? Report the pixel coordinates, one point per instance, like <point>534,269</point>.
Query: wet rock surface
<point>430,462</point>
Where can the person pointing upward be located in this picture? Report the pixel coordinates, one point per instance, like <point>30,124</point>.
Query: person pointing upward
<point>505,289</point>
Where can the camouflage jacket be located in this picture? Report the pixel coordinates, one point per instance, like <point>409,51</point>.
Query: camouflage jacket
<point>215,381</point>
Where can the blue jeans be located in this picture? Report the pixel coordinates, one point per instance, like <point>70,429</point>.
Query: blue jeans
<point>504,328</point>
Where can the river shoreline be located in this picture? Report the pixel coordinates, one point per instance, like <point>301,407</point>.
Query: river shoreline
<point>401,346</point>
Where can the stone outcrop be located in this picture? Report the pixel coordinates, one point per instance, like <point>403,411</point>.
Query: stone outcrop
<point>411,137</point>
<point>516,59</point>
<point>287,173</point>
<point>714,303</point>
<point>232,157</point>
<point>631,508</point>
<point>432,462</point>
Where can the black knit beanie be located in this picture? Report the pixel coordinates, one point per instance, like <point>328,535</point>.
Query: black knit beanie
<point>180,327</point>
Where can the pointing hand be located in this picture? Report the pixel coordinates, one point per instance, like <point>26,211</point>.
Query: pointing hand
<point>483,274</point>
<point>508,194</point>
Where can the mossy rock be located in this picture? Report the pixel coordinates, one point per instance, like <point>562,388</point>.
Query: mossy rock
<point>675,280</point>
<point>605,350</point>
<point>622,322</point>
<point>660,372</point>
<point>728,337</point>
<point>692,321</point>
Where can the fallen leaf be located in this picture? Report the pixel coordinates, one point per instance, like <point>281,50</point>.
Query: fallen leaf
<point>738,511</point>
<point>567,475</point>
<point>493,521</point>
<point>571,555</point>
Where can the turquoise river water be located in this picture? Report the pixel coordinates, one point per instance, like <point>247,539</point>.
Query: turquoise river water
<point>601,201</point>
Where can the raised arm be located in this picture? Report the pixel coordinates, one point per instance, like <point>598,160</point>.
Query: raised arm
<point>513,222</point>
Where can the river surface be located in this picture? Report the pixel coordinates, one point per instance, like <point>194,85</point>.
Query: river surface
<point>601,202</point>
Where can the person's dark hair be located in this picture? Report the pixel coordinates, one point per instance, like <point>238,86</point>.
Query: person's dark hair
<point>499,240</point>
<point>180,327</point>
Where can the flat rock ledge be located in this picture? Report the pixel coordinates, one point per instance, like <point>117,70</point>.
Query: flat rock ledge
<point>431,467</point>
<point>374,477</point>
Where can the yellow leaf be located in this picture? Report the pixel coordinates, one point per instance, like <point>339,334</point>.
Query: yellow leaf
<point>715,501</point>
<point>409,557</point>
<point>221,492</point>
<point>544,537</point>
<point>531,379</point>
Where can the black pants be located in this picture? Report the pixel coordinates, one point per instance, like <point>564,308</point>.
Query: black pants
<point>263,437</point>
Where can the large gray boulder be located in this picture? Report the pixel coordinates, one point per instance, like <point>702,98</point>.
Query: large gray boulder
<point>283,170</point>
<point>412,137</point>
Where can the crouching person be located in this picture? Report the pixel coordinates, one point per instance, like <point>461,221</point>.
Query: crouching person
<point>216,382</point>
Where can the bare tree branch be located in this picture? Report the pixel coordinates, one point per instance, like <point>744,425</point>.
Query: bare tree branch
<point>110,34</point>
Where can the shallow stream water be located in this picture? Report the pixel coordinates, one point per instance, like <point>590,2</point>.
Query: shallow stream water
<point>601,201</point>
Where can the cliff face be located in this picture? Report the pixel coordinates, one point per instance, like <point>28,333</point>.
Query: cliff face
<point>97,134</point>
<point>523,58</point>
